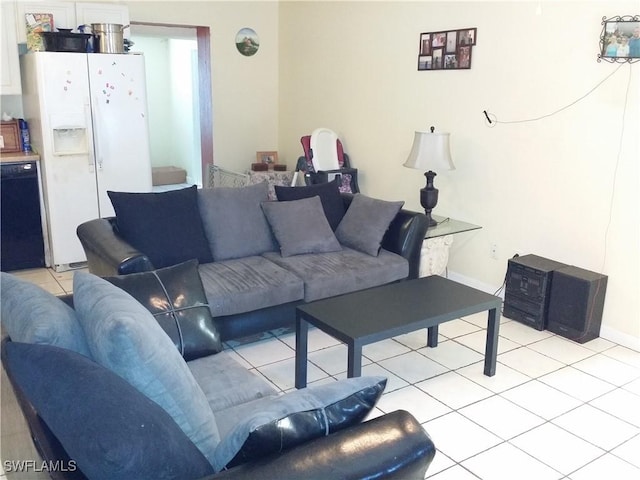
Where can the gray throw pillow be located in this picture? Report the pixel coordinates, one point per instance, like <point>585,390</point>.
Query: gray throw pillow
<point>365,223</point>
<point>233,221</point>
<point>300,226</point>
<point>124,337</point>
<point>32,315</point>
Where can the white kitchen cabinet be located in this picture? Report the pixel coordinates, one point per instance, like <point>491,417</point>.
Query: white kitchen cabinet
<point>10,68</point>
<point>88,13</point>
<point>64,15</point>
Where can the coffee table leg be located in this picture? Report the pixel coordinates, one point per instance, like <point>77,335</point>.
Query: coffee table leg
<point>302,330</point>
<point>491,349</point>
<point>354,360</point>
<point>432,336</point>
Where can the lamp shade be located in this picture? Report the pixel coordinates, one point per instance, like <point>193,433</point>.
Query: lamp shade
<point>430,151</point>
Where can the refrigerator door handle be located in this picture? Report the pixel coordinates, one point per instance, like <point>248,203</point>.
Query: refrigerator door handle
<point>98,153</point>
<point>92,153</point>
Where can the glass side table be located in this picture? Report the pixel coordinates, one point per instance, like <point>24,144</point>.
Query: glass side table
<point>434,255</point>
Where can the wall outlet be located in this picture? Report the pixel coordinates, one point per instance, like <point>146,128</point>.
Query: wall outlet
<point>493,251</point>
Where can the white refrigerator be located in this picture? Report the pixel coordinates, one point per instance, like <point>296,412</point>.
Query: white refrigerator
<point>87,116</point>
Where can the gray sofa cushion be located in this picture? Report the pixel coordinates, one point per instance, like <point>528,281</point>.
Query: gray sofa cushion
<point>226,383</point>
<point>365,223</point>
<point>124,337</point>
<point>31,315</point>
<point>335,273</point>
<point>233,221</point>
<point>272,425</point>
<point>246,284</point>
<point>300,226</point>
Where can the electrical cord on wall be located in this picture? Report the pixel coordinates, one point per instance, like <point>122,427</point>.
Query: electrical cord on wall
<point>492,119</point>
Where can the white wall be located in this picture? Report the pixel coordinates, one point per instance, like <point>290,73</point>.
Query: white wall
<point>245,89</point>
<point>565,187</point>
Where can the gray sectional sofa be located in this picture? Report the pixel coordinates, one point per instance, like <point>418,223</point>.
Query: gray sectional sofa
<point>258,260</point>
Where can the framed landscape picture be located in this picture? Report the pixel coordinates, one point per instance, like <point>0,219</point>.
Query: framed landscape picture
<point>446,50</point>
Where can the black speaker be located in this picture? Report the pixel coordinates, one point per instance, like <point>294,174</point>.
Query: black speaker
<point>576,302</point>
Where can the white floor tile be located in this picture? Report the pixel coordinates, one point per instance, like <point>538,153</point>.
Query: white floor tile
<point>454,390</point>
<point>265,351</point>
<point>439,463</point>
<point>457,328</point>
<point>451,354</point>
<point>333,360</point>
<point>282,373</point>
<point>478,341</point>
<point>480,319</point>
<point>506,462</point>
<point>598,344</point>
<point>414,400</point>
<point>607,466</point>
<point>501,417</point>
<point>561,349</point>
<point>608,369</point>
<point>625,355</point>
<point>316,339</point>
<point>621,404</point>
<point>522,334</point>
<point>541,399</point>
<point>629,451</point>
<point>529,362</point>
<point>504,379</point>
<point>633,387</point>
<point>557,448</point>
<point>393,381</point>
<point>384,349</point>
<point>597,427</point>
<point>458,437</point>
<point>576,383</point>
<point>413,367</point>
<point>416,339</point>
<point>454,473</point>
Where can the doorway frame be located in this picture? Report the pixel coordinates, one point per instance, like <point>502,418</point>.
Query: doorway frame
<point>203,39</point>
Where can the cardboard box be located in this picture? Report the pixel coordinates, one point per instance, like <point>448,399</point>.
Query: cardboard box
<point>168,175</point>
<point>10,141</point>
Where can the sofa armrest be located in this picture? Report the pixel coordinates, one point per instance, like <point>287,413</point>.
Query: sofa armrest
<point>107,253</point>
<point>393,446</point>
<point>405,236</point>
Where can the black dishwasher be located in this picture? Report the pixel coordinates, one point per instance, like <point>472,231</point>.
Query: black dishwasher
<point>21,225</point>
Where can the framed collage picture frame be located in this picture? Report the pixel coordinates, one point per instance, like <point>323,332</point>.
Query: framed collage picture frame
<point>446,50</point>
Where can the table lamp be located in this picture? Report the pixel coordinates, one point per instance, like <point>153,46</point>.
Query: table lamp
<point>430,151</point>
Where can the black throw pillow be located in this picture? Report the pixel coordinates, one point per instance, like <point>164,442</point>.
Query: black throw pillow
<point>108,428</point>
<point>165,226</point>
<point>176,298</point>
<point>329,194</point>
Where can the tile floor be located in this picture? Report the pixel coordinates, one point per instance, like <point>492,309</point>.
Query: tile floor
<point>554,410</point>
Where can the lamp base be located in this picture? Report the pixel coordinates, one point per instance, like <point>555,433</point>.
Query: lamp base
<point>429,197</point>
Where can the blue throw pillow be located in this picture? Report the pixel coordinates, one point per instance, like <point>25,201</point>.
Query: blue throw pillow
<point>107,427</point>
<point>329,194</point>
<point>124,337</point>
<point>32,315</point>
<point>271,425</point>
<point>165,226</point>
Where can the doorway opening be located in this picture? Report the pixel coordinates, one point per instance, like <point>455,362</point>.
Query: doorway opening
<point>178,67</point>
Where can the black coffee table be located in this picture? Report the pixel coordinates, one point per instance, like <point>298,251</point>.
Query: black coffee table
<point>375,314</point>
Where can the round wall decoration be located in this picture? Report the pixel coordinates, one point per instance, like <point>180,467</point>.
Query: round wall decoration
<point>247,42</point>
